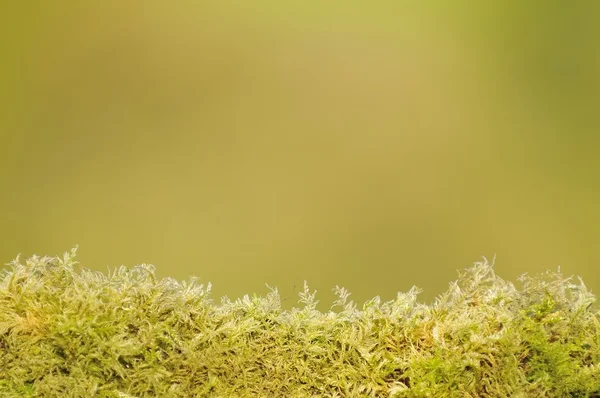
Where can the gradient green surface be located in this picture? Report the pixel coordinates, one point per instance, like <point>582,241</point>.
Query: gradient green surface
<point>374,146</point>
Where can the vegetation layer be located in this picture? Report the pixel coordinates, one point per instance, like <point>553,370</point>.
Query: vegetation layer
<point>71,332</point>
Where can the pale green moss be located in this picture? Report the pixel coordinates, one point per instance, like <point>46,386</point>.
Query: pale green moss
<point>71,332</point>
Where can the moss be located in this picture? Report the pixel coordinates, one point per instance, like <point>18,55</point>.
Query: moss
<point>71,332</point>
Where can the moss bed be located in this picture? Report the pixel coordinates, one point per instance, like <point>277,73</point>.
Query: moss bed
<point>71,332</point>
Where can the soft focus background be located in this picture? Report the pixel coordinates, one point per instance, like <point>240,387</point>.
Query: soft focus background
<point>375,146</point>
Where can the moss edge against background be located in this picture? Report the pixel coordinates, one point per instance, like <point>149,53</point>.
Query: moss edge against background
<point>72,332</point>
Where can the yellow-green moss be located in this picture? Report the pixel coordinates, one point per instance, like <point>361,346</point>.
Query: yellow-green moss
<point>71,332</point>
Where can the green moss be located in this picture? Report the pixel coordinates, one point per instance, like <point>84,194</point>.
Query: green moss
<point>71,332</point>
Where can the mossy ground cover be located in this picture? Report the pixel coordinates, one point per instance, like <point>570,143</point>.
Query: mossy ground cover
<point>70,332</point>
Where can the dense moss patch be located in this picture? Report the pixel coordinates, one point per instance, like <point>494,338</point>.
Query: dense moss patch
<point>71,332</point>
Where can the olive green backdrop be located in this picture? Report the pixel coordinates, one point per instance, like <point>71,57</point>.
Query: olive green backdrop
<point>374,146</point>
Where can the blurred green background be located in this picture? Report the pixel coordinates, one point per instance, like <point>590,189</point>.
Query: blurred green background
<point>374,146</point>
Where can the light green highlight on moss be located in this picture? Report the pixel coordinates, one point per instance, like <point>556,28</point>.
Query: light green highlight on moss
<point>70,332</point>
